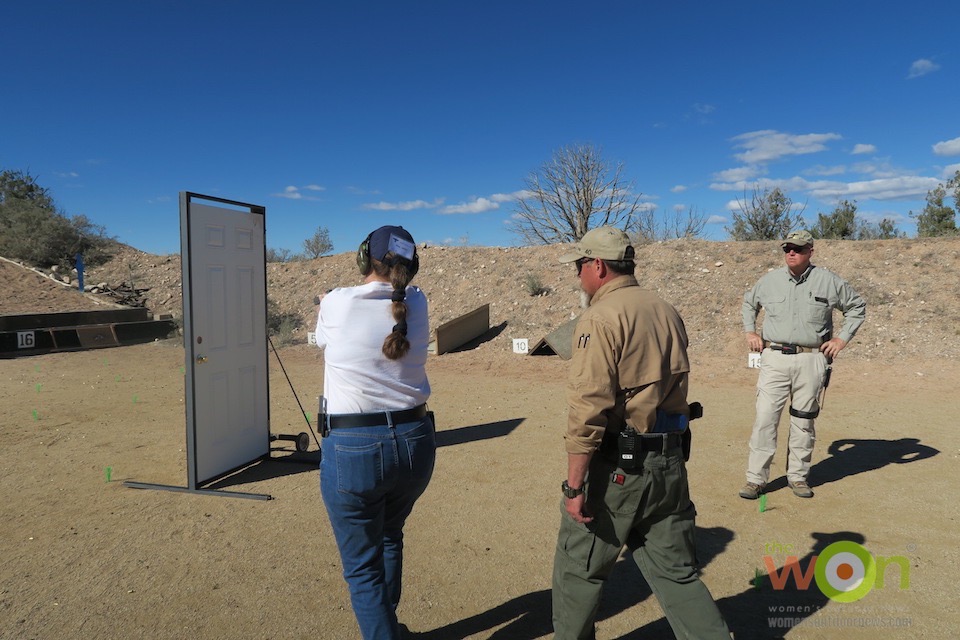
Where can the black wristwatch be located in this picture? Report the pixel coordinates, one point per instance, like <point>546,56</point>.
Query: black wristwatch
<point>569,491</point>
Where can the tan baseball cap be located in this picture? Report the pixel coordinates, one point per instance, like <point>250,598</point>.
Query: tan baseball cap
<point>606,243</point>
<point>799,238</point>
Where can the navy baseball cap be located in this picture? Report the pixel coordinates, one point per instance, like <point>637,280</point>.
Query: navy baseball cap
<point>389,239</point>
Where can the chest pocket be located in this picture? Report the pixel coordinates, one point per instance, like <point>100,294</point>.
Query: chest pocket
<point>776,306</point>
<point>817,310</point>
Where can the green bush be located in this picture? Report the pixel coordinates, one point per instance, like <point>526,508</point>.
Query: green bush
<point>32,230</point>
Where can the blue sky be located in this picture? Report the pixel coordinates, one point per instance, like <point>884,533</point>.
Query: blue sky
<point>350,115</point>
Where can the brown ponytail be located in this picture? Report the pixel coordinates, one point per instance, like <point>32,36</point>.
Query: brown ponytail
<point>396,345</point>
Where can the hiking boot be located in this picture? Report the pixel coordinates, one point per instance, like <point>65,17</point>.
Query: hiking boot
<point>752,491</point>
<point>801,489</point>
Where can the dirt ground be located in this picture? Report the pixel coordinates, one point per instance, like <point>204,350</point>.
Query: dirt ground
<point>84,556</point>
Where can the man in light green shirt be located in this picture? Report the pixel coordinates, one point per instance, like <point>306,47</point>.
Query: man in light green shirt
<point>797,343</point>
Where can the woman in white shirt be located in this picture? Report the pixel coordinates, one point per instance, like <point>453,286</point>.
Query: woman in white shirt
<point>379,445</point>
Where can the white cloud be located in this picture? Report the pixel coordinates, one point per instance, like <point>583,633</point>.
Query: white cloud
<point>737,174</point>
<point>293,193</point>
<point>767,145</point>
<point>510,197</point>
<point>820,170</point>
<point>357,191</point>
<point>790,184</point>
<point>947,147</point>
<point>895,186</point>
<point>877,170</point>
<point>704,108</point>
<point>66,174</point>
<point>950,170</point>
<point>678,188</point>
<point>679,207</point>
<point>409,205</point>
<point>716,220</point>
<point>732,205</point>
<point>922,67</point>
<point>901,187</point>
<point>863,148</point>
<point>646,207</point>
<point>480,205</point>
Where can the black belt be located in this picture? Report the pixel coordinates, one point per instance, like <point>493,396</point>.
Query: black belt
<point>791,349</point>
<point>660,441</point>
<point>378,418</point>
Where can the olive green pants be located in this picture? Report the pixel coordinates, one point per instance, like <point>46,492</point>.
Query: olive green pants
<point>651,513</point>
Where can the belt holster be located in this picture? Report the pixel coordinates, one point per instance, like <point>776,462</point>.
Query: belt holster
<point>323,425</point>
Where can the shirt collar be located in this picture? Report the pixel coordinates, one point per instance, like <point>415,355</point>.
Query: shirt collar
<point>802,277</point>
<point>613,285</point>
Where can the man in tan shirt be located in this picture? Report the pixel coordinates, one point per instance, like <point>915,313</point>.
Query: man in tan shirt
<point>626,480</point>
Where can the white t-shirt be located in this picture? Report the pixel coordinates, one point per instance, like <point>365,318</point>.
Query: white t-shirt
<point>351,327</point>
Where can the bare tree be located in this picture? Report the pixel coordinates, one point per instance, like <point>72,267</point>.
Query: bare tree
<point>768,216</point>
<point>577,190</point>
<point>689,225</point>
<point>679,225</point>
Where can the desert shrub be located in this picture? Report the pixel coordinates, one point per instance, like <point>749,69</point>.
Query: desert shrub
<point>534,285</point>
<point>281,326</point>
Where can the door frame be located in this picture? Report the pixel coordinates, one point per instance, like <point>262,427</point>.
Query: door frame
<point>195,483</point>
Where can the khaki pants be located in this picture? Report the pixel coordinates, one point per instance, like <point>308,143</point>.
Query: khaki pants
<point>652,514</point>
<point>797,378</point>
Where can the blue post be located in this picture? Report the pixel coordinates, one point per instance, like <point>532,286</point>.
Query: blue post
<point>80,272</point>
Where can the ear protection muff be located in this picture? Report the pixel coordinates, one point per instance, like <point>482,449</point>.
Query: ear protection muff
<point>415,263</point>
<point>365,265</point>
<point>363,256</point>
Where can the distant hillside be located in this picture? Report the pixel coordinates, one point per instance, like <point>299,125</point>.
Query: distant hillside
<point>911,287</point>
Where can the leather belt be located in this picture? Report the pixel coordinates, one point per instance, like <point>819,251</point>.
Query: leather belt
<point>790,349</point>
<point>377,418</point>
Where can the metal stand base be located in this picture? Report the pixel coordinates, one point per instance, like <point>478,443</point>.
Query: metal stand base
<point>208,492</point>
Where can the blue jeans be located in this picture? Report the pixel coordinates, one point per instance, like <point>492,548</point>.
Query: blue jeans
<point>370,478</point>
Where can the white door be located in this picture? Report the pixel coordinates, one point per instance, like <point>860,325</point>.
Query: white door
<point>227,390</point>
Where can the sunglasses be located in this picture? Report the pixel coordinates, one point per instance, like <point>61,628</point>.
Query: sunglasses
<point>580,263</point>
<point>788,248</point>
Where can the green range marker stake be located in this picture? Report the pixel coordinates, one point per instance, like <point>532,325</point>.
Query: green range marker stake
<point>309,419</point>
<point>36,416</point>
<point>38,387</point>
<point>763,502</point>
<point>134,399</point>
<point>118,377</point>
<point>109,471</point>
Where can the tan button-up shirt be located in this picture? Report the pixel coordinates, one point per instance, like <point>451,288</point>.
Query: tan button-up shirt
<point>629,359</point>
